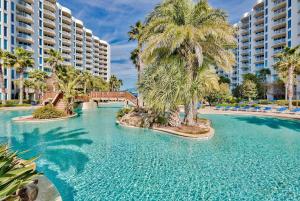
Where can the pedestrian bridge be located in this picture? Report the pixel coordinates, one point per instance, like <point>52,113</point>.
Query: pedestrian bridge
<point>126,97</point>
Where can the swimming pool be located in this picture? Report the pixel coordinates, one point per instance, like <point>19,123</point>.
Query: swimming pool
<point>91,158</point>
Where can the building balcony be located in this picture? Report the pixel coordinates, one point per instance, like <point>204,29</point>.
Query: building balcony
<point>49,15</point>
<point>279,33</point>
<point>279,42</point>
<point>26,47</point>
<point>259,52</point>
<point>66,49</point>
<point>66,42</point>
<point>279,4</point>
<point>259,44</point>
<point>243,58</point>
<point>25,38</point>
<point>67,28</point>
<point>23,6</point>
<point>66,20</point>
<point>279,23</point>
<point>259,60</point>
<point>48,5</point>
<point>29,1</point>
<point>259,35</point>
<point>280,13</point>
<point>49,23</point>
<point>49,40</point>
<point>79,37</point>
<point>66,35</point>
<point>50,32</point>
<point>24,17</point>
<point>66,56</point>
<point>24,28</point>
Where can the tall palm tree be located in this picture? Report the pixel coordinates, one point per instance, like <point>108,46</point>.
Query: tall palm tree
<point>23,60</point>
<point>262,75</point>
<point>115,83</point>
<point>99,84</point>
<point>69,83</point>
<point>8,61</point>
<point>289,63</point>
<point>136,58</point>
<point>2,85</point>
<point>88,82</point>
<point>38,77</point>
<point>193,31</point>
<point>54,61</point>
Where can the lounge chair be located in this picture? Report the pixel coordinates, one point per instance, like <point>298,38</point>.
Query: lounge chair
<point>267,109</point>
<point>227,108</point>
<point>246,108</point>
<point>282,110</point>
<point>236,108</point>
<point>295,111</point>
<point>219,107</point>
<point>256,109</point>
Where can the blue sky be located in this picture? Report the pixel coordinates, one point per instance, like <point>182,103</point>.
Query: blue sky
<point>110,20</point>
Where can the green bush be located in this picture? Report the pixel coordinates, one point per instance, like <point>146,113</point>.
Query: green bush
<point>286,103</point>
<point>48,112</point>
<point>15,174</point>
<point>264,102</point>
<point>161,120</point>
<point>122,112</point>
<point>15,103</point>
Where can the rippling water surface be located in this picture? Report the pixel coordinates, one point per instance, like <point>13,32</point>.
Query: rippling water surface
<point>90,158</point>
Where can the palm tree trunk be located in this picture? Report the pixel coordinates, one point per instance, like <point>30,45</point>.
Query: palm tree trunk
<point>189,108</point>
<point>21,93</point>
<point>286,86</point>
<point>3,97</point>
<point>9,87</point>
<point>291,86</point>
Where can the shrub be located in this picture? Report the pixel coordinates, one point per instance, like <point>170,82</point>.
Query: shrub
<point>264,102</point>
<point>15,103</point>
<point>15,174</point>
<point>48,112</point>
<point>161,120</point>
<point>122,112</point>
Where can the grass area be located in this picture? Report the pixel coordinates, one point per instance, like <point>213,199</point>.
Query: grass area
<point>15,103</point>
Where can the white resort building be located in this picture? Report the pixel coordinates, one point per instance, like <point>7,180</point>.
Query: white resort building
<point>40,25</point>
<point>263,32</point>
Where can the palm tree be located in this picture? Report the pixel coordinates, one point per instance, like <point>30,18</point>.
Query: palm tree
<point>136,58</point>
<point>69,83</point>
<point>23,60</point>
<point>99,84</point>
<point>8,61</point>
<point>194,32</point>
<point>115,83</point>
<point>2,85</point>
<point>54,61</point>
<point>38,77</point>
<point>262,74</point>
<point>88,81</point>
<point>289,63</point>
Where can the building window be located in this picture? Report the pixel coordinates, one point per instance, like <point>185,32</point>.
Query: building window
<point>289,24</point>
<point>40,14</point>
<point>12,29</point>
<point>266,11</point>
<point>12,40</point>
<point>290,44</point>
<point>290,3</point>
<point>290,13</point>
<point>289,35</point>
<point>5,4</point>
<point>5,18</point>
<point>5,31</point>
<point>12,17</point>
<point>5,44</point>
<point>41,33</point>
<point>12,6</point>
<point>41,51</point>
<point>41,42</point>
<point>41,60</point>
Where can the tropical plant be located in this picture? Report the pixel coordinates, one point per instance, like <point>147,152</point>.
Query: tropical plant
<point>224,79</point>
<point>48,112</point>
<point>88,82</point>
<point>249,90</point>
<point>14,173</point>
<point>99,84</point>
<point>262,75</point>
<point>69,83</point>
<point>23,60</point>
<point>3,98</point>
<point>8,61</point>
<point>194,32</point>
<point>29,85</point>
<point>54,61</point>
<point>135,35</point>
<point>289,63</point>
<point>38,77</point>
<point>115,83</point>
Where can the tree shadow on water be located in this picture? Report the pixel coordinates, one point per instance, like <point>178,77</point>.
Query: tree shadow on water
<point>274,123</point>
<point>57,146</point>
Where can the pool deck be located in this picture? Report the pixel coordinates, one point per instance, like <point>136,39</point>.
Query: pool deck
<point>210,110</point>
<point>19,108</point>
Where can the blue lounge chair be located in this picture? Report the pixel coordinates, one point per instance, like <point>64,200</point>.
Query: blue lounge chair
<point>282,109</point>
<point>227,108</point>
<point>246,108</point>
<point>295,111</point>
<point>257,109</point>
<point>236,108</point>
<point>267,109</point>
<point>219,107</point>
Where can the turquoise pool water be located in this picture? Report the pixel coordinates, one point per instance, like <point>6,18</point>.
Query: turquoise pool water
<point>90,158</point>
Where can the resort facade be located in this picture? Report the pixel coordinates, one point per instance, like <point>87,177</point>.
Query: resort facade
<point>263,32</point>
<point>41,25</point>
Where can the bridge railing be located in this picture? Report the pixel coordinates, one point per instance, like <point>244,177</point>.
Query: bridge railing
<point>111,95</point>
